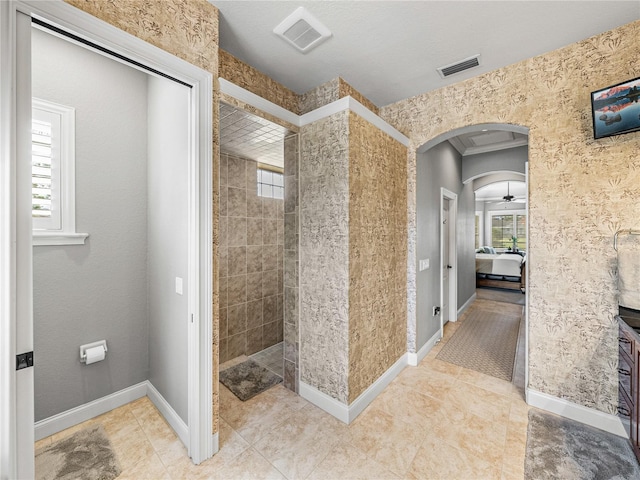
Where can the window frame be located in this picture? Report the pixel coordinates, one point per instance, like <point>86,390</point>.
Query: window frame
<point>261,183</point>
<point>61,228</point>
<point>514,214</point>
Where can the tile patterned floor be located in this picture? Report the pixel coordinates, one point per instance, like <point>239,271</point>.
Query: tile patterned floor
<point>271,358</point>
<point>435,421</point>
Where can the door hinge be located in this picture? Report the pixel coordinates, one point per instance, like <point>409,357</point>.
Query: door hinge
<point>24,360</point>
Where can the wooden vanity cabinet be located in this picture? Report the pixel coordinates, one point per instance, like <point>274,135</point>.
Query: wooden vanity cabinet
<point>628,376</point>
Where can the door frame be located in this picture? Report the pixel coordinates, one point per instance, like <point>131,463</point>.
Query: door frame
<point>453,256</point>
<point>16,435</point>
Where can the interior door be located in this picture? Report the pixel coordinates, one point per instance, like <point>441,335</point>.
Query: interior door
<point>446,262</point>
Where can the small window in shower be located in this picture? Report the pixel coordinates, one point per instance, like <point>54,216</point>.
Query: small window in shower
<point>270,184</point>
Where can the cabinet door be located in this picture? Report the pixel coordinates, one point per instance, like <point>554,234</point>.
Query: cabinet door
<point>634,399</point>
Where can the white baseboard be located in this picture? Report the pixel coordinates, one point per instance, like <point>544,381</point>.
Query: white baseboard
<point>82,413</point>
<point>215,442</point>
<point>169,414</point>
<point>467,304</point>
<point>348,413</point>
<point>589,416</point>
<point>414,359</point>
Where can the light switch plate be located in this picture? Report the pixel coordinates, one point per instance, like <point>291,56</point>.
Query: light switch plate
<point>178,285</point>
<point>423,264</point>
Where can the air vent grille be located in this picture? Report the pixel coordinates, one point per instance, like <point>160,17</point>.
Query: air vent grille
<point>302,30</point>
<point>460,66</point>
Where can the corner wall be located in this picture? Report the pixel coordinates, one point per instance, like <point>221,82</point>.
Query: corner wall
<point>571,284</point>
<point>187,29</point>
<point>95,291</point>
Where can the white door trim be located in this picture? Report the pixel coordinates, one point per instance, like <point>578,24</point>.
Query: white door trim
<point>200,362</point>
<point>453,258</point>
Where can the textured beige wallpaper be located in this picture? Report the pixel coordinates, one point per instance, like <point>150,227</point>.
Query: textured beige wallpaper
<point>330,92</point>
<point>249,78</point>
<point>581,191</point>
<point>346,90</point>
<point>377,253</point>
<point>187,29</point>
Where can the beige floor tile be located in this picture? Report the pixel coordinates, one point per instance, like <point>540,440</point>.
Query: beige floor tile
<point>426,381</point>
<point>256,417</point>
<point>150,468</point>
<point>230,442</point>
<point>435,365</point>
<point>159,433</point>
<point>386,439</point>
<point>132,448</point>
<point>501,387</point>
<point>282,394</point>
<point>301,442</point>
<point>232,362</point>
<point>438,460</point>
<point>249,465</point>
<point>44,442</point>
<point>346,462</point>
<point>483,438</point>
<point>485,404</point>
<point>407,405</point>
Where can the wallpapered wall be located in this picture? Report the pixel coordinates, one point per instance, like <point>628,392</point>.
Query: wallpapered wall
<point>352,254</point>
<point>324,255</point>
<point>377,253</point>
<point>572,287</point>
<point>189,30</point>
<point>249,78</point>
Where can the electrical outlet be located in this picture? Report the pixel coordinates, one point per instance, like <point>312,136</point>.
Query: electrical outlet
<point>436,311</point>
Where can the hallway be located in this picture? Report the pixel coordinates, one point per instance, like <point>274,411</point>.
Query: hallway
<point>423,426</point>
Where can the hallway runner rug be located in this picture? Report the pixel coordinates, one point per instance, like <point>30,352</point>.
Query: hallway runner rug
<point>85,455</point>
<point>485,342</point>
<point>248,379</point>
<point>559,447</point>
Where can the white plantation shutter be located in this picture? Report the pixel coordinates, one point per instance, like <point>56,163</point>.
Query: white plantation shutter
<point>53,174</point>
<point>41,168</point>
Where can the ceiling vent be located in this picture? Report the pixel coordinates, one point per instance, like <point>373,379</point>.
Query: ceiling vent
<point>302,30</point>
<point>460,66</point>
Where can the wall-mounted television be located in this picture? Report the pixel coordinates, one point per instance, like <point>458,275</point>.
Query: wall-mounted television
<point>616,109</point>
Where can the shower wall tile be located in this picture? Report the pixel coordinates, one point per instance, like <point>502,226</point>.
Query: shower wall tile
<point>237,257</point>
<point>237,234</point>
<point>236,202</point>
<point>248,260</point>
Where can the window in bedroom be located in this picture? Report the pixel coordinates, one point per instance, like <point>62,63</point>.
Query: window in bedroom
<point>53,174</point>
<point>507,225</point>
<point>270,184</point>
<point>479,230</point>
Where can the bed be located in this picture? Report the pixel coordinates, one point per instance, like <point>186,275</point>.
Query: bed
<point>501,270</point>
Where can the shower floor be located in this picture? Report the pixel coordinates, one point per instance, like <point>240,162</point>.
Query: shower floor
<point>271,358</point>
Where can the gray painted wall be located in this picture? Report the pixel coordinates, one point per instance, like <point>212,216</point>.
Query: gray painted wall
<point>95,291</point>
<point>441,166</point>
<point>167,233</point>
<point>509,160</point>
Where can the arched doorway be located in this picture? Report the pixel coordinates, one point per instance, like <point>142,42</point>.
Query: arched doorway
<point>459,162</point>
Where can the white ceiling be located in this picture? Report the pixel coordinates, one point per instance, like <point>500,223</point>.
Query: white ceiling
<point>249,136</point>
<point>389,50</point>
<point>495,191</point>
<point>487,141</point>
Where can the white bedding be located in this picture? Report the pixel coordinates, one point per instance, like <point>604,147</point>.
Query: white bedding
<point>507,264</point>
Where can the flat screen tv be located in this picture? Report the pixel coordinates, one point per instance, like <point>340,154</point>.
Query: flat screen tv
<point>616,109</point>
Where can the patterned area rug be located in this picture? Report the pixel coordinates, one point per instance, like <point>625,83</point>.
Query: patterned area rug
<point>561,448</point>
<point>85,455</point>
<point>248,379</point>
<point>485,342</point>
<point>501,295</point>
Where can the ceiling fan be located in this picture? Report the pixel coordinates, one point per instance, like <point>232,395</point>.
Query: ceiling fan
<point>508,198</point>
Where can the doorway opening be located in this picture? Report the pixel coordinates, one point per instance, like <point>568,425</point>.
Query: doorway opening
<point>166,282</point>
<point>458,164</point>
